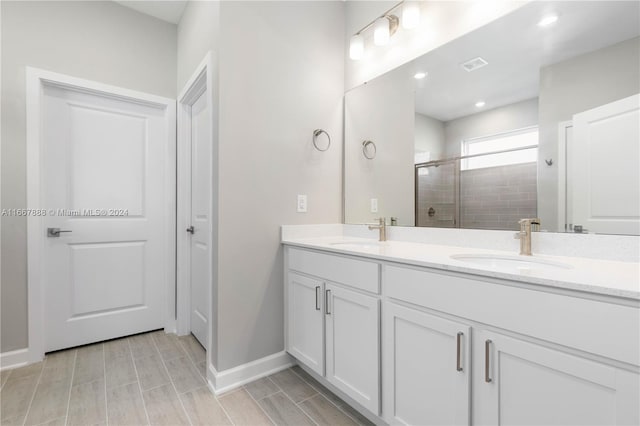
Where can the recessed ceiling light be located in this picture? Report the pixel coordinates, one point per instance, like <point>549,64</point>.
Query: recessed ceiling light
<point>480,104</point>
<point>548,20</point>
<point>420,75</point>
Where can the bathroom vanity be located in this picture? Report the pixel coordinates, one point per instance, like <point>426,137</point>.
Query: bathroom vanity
<point>416,333</point>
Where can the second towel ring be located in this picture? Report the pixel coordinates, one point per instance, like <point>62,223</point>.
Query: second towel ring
<point>366,147</point>
<point>317,133</point>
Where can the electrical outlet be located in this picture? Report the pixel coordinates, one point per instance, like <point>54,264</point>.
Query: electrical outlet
<point>302,203</point>
<point>374,205</point>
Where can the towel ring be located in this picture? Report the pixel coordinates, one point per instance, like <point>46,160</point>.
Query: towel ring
<point>317,133</point>
<point>365,150</point>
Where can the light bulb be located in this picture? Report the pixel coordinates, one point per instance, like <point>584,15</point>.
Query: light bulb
<point>410,15</point>
<point>480,104</point>
<point>356,47</point>
<point>381,35</point>
<point>420,75</point>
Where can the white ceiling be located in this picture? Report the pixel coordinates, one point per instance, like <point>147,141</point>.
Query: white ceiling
<point>167,10</point>
<point>516,48</point>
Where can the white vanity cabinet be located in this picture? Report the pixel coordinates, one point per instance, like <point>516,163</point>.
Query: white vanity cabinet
<point>305,325</point>
<point>353,344</point>
<point>560,359</point>
<point>427,368</point>
<point>462,348</point>
<point>518,382</point>
<point>333,321</point>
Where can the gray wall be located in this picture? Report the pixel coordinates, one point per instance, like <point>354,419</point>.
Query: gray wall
<point>485,123</point>
<point>429,136</point>
<point>381,111</point>
<point>198,33</point>
<point>100,41</point>
<point>574,86</point>
<point>281,77</point>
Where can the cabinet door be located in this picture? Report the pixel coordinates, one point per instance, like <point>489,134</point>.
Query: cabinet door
<point>353,345</point>
<point>304,321</point>
<point>517,382</point>
<point>426,368</point>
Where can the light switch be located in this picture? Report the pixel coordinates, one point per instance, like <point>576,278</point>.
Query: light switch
<point>374,205</point>
<point>302,203</point>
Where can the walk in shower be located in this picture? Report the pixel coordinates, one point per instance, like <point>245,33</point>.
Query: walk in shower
<point>479,191</point>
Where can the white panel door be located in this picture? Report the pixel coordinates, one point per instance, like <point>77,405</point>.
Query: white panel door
<point>201,193</point>
<point>103,173</point>
<point>605,166</point>
<point>520,383</point>
<point>426,368</point>
<point>353,345</point>
<point>304,321</point>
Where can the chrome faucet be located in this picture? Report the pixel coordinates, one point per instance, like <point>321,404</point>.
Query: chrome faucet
<point>382,226</point>
<point>525,235</point>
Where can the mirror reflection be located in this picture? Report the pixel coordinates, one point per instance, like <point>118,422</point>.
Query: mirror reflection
<point>534,115</point>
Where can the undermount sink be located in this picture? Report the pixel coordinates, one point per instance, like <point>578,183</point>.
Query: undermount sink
<point>517,263</point>
<point>358,244</point>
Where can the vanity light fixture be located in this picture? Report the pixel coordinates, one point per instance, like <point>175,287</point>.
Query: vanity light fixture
<point>420,75</point>
<point>480,104</point>
<point>384,26</point>
<point>548,20</point>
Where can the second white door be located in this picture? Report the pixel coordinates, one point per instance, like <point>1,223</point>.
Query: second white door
<point>200,221</point>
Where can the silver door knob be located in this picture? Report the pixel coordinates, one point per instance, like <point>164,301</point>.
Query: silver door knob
<point>54,232</point>
<point>191,230</point>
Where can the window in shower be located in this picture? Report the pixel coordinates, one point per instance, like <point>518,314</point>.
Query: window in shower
<point>514,147</point>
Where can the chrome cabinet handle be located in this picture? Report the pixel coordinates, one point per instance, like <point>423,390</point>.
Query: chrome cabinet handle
<point>191,230</point>
<point>458,355</point>
<point>327,295</point>
<point>317,298</point>
<point>487,347</point>
<point>54,232</point>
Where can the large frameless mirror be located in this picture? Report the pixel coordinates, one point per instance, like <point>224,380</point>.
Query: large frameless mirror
<point>533,115</point>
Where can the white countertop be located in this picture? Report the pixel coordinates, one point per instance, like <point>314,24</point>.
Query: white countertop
<point>613,278</point>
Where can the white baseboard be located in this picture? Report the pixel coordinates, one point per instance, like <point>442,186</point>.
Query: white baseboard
<point>14,359</point>
<point>223,381</point>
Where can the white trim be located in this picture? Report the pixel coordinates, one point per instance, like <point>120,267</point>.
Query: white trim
<point>14,359</point>
<point>226,380</point>
<point>499,135</point>
<point>200,82</point>
<point>35,80</point>
<point>562,174</point>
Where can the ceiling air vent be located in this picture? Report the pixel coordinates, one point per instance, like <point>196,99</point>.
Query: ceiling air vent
<point>474,64</point>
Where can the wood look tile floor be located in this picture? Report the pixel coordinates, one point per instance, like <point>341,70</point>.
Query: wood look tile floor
<point>158,379</point>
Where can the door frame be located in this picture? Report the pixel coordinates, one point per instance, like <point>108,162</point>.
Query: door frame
<point>201,81</point>
<point>36,79</point>
<point>563,165</point>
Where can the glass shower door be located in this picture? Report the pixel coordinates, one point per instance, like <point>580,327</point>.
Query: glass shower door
<point>437,194</point>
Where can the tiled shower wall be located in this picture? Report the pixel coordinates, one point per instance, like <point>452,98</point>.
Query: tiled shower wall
<point>490,198</point>
<point>436,190</point>
<point>497,197</point>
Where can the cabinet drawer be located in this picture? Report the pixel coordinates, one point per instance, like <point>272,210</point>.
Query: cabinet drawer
<point>598,327</point>
<point>352,272</point>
